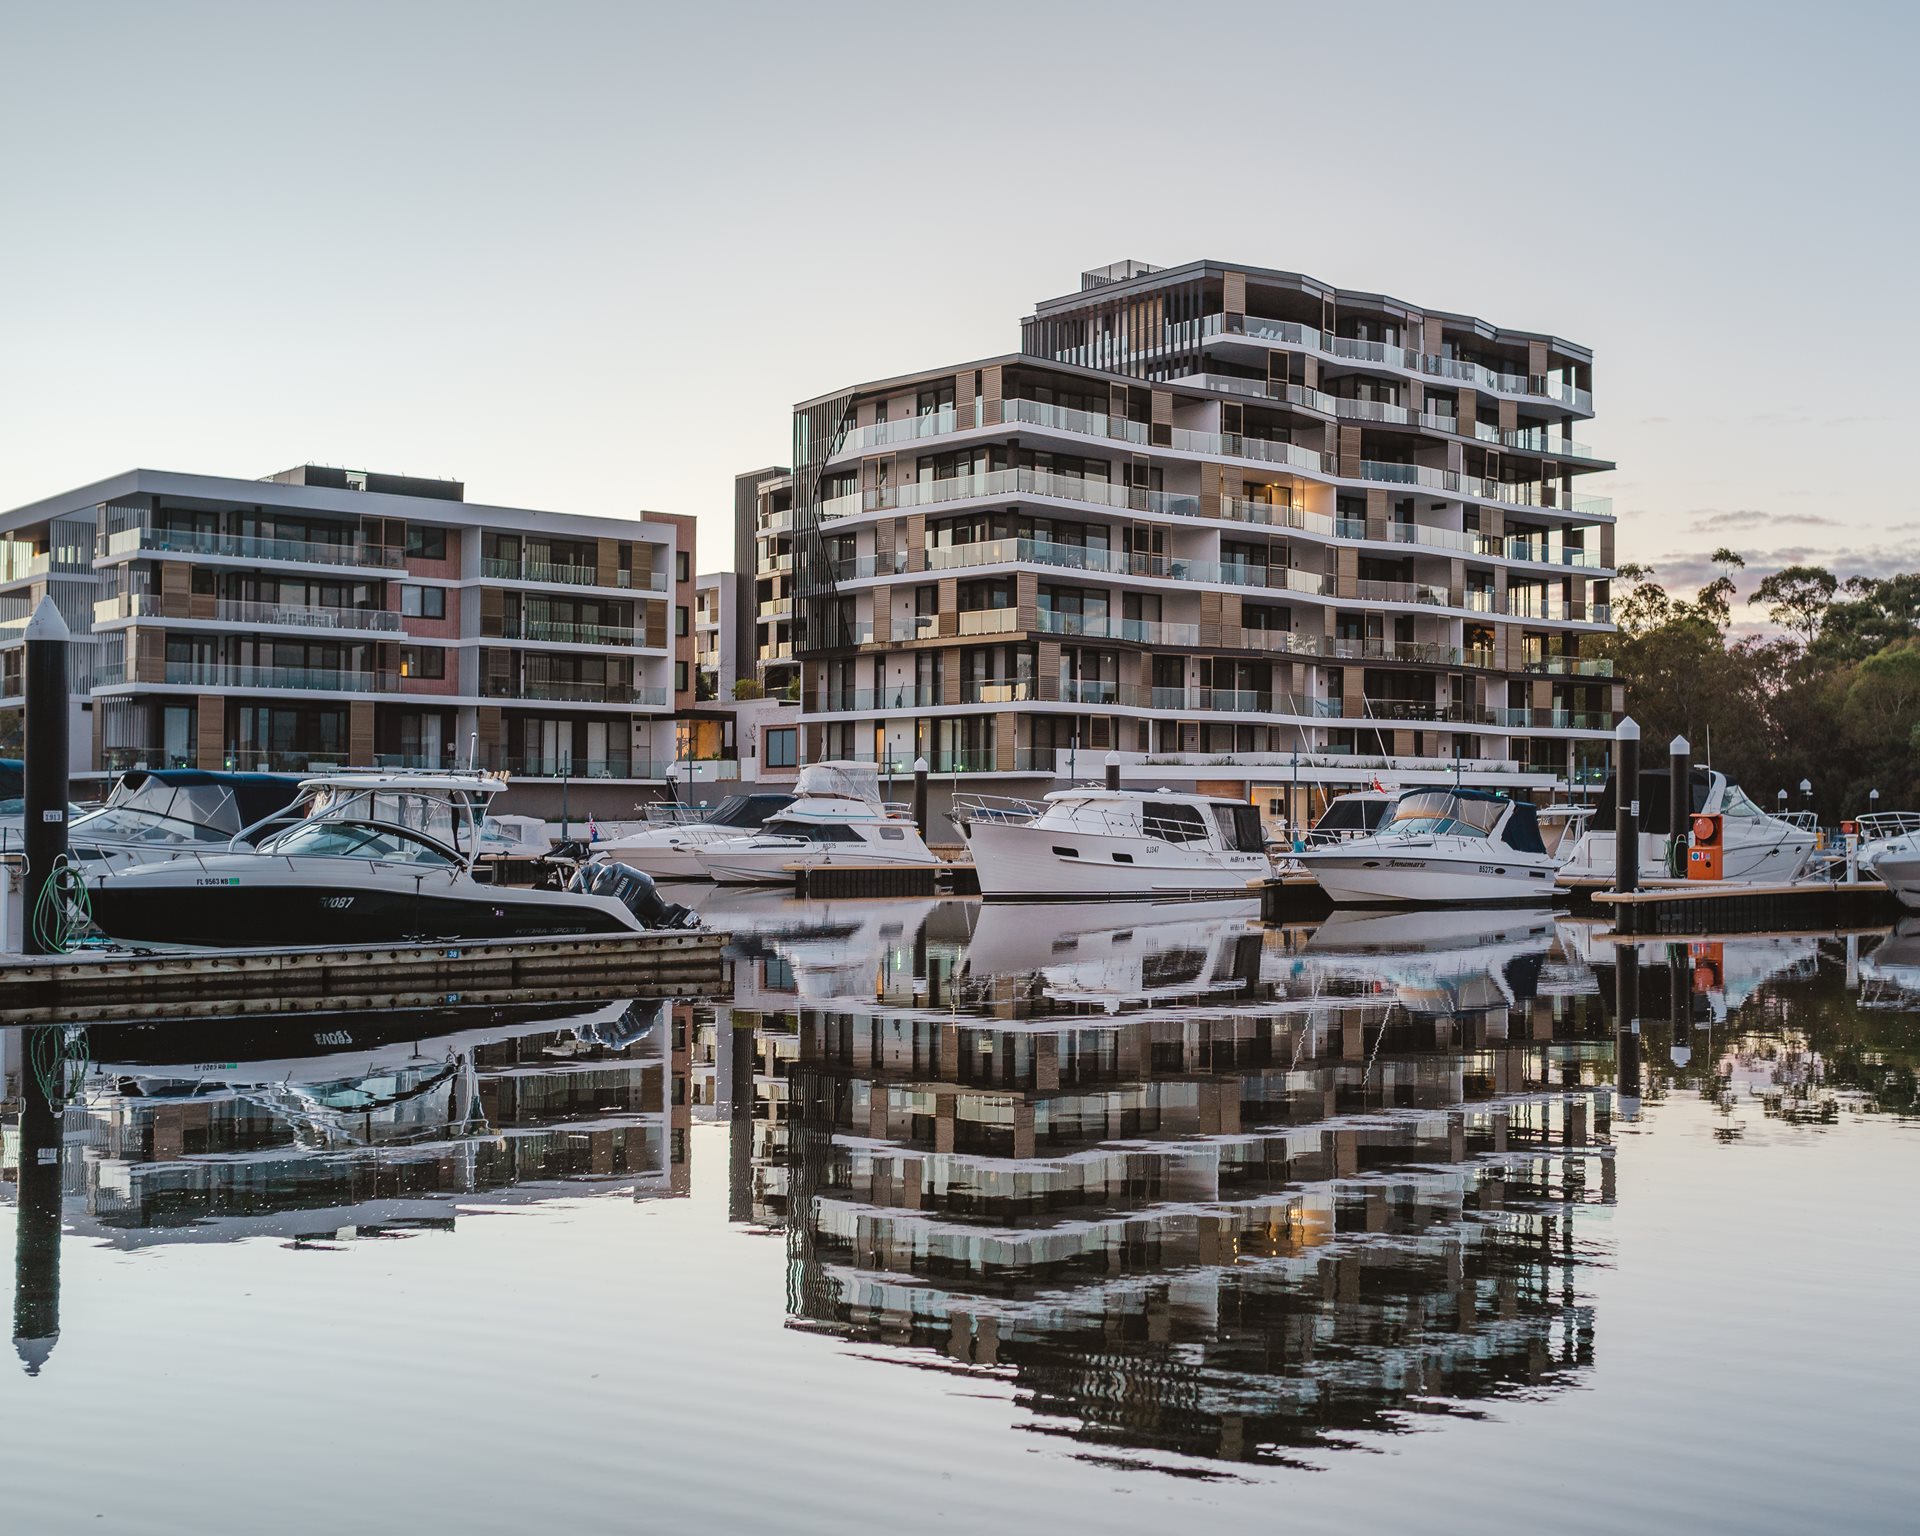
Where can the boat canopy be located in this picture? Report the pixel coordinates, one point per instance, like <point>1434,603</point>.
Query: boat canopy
<point>1655,791</point>
<point>848,780</point>
<point>1522,831</point>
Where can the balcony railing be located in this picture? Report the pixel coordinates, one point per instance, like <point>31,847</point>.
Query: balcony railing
<point>1104,627</point>
<point>1375,649</point>
<point>566,632</point>
<point>233,546</point>
<point>1571,666</point>
<point>577,691</point>
<point>138,605</point>
<point>866,700</point>
<point>552,573</point>
<point>908,429</point>
<point>220,674</point>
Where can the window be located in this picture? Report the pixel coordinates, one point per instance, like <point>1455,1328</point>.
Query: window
<point>424,602</point>
<point>426,543</point>
<point>422,661</point>
<point>783,748</point>
<point>680,618</point>
<point>683,569</point>
<point>680,677</point>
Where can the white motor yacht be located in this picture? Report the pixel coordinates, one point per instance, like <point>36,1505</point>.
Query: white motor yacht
<point>162,812</point>
<point>1757,847</point>
<point>1106,844</point>
<point>837,817</point>
<point>1445,845</point>
<point>369,858</point>
<point>1885,832</point>
<point>1897,862</point>
<point>670,850</point>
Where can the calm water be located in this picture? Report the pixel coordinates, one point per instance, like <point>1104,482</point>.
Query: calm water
<point>1124,1218</point>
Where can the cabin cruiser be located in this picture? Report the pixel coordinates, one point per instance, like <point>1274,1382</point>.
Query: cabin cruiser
<point>1883,832</point>
<point>1355,814</point>
<point>159,813</point>
<point>1105,844</point>
<point>1897,862</point>
<point>670,850</point>
<point>836,817</point>
<point>1756,846</point>
<point>368,858</point>
<point>1441,845</point>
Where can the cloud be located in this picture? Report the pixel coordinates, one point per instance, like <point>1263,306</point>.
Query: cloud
<point>1753,517</point>
<point>1684,573</point>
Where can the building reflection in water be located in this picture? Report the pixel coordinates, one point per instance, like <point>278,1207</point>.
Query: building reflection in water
<point>1196,1188</point>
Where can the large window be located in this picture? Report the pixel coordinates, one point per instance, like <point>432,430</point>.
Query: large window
<point>422,661</point>
<point>425,543</point>
<point>424,602</point>
<point>783,747</point>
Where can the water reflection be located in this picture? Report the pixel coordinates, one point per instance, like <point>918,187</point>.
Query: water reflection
<point>1199,1193</point>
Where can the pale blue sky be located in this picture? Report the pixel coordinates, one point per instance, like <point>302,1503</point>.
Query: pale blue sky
<point>586,256</point>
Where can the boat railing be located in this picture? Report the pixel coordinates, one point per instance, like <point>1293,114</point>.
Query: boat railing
<point>1876,826</point>
<point>997,808</point>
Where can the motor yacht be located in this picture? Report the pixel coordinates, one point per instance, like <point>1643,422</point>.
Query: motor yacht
<point>1441,845</point>
<point>670,850</point>
<point>837,817</point>
<point>368,858</point>
<point>1756,847</point>
<point>1897,862</point>
<point>1884,832</point>
<point>1106,844</point>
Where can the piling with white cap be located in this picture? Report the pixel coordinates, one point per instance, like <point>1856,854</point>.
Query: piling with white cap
<point>1626,806</point>
<point>45,837</point>
<point>1679,805</point>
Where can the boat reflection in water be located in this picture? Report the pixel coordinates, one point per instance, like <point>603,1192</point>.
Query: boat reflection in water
<point>1200,1191</point>
<point>325,1127</point>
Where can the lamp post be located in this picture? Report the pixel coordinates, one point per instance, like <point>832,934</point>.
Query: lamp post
<point>1782,798</point>
<point>1806,795</point>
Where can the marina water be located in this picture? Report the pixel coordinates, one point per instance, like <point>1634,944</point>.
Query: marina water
<point>1121,1218</point>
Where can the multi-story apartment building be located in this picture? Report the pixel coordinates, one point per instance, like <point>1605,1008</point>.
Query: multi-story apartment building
<point>1211,514</point>
<point>775,666</point>
<point>716,656</point>
<point>324,617</point>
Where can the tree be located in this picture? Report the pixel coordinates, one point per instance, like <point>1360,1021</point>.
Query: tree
<point>1798,598</point>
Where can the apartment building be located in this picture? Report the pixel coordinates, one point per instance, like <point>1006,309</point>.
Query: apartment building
<point>1211,515</point>
<point>775,666</point>
<point>717,599</point>
<point>326,617</point>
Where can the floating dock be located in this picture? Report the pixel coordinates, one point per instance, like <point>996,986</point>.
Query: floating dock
<point>117,984</point>
<point>1691,908</point>
<point>823,882</point>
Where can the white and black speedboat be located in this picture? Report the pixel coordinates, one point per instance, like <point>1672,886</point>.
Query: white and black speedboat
<point>1445,845</point>
<point>1103,844</point>
<point>369,858</point>
<point>671,850</point>
<point>1756,846</point>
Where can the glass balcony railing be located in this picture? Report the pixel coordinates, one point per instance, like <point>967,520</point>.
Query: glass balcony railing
<point>567,632</point>
<point>1571,666</point>
<point>909,429</point>
<point>181,541</point>
<point>577,691</point>
<point>1104,627</point>
<point>219,674</point>
<point>552,573</point>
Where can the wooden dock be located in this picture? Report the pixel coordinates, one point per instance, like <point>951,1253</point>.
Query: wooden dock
<point>116,984</point>
<point>824,882</point>
<point>1692,908</point>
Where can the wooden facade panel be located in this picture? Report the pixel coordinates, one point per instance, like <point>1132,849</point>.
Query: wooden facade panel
<point>210,731</point>
<point>1235,289</point>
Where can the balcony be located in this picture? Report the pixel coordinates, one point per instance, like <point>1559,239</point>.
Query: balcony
<point>230,546</point>
<point>919,626</point>
<point>577,691</point>
<point>1571,666</point>
<point>998,483</point>
<point>566,632</point>
<point>553,574</point>
<point>988,621</point>
<point>1104,627</point>
<point>219,674</point>
<point>1401,592</point>
<point>1373,648</point>
<point>570,767</point>
<point>837,701</point>
<point>909,429</point>
<point>147,605</point>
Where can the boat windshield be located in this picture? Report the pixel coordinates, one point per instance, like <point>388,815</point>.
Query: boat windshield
<point>1440,813</point>
<point>811,831</point>
<point>448,820</point>
<point>342,839</point>
<point>159,812</point>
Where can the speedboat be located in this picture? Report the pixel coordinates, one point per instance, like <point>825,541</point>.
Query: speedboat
<point>671,850</point>
<point>837,817</point>
<point>1755,846</point>
<point>1898,863</point>
<point>1085,844</point>
<point>1884,832</point>
<point>370,858</point>
<point>1446,845</point>
<point>159,813</point>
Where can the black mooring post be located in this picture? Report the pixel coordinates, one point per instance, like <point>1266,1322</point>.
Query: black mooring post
<point>1680,1002</point>
<point>1626,807</point>
<point>45,836</point>
<point>1626,1024</point>
<point>1113,770</point>
<point>920,771</point>
<point>1679,804</point>
<point>36,1252</point>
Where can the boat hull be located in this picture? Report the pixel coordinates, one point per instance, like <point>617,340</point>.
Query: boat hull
<point>776,866</point>
<point>1778,858</point>
<point>1022,861</point>
<point>1379,879</point>
<point>214,905</point>
<point>1901,872</point>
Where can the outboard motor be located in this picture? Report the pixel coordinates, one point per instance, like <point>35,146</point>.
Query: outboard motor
<point>635,889</point>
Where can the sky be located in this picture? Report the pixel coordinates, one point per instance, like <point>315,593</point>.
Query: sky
<point>586,256</point>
